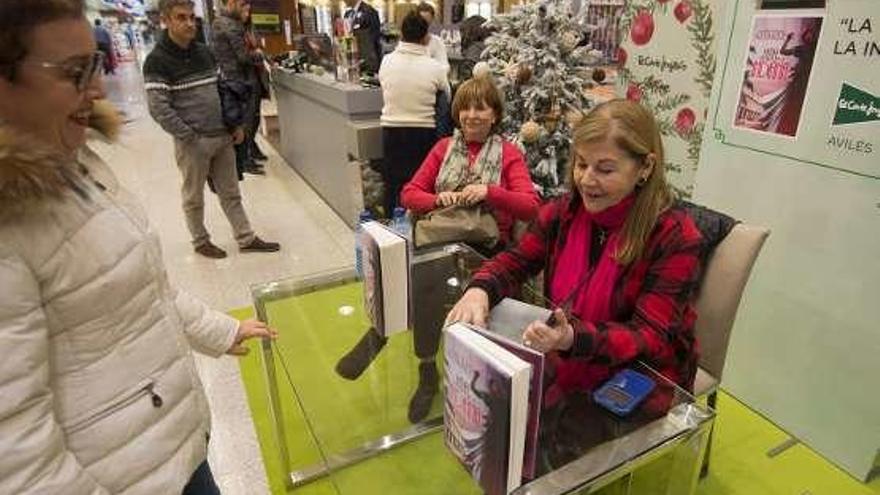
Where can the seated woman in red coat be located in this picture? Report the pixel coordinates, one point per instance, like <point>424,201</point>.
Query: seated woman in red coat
<point>475,165</point>
<point>616,254</point>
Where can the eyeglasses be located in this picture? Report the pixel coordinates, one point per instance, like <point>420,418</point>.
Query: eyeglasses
<point>79,71</point>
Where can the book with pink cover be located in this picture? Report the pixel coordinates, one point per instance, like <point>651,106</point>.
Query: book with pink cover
<point>485,408</point>
<point>778,66</point>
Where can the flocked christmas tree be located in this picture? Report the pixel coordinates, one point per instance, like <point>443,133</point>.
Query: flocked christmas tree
<point>542,73</point>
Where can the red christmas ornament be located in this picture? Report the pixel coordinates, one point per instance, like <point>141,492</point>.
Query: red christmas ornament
<point>642,28</point>
<point>634,93</point>
<point>683,11</point>
<point>621,57</point>
<point>684,121</point>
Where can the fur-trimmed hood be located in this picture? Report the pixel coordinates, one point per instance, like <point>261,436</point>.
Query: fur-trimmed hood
<point>31,170</point>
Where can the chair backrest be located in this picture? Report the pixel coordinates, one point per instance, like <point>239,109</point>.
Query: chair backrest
<point>724,280</point>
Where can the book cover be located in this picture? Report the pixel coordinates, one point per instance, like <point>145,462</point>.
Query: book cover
<point>778,66</point>
<point>507,322</point>
<point>385,261</point>
<point>536,360</point>
<point>485,409</point>
<point>372,277</point>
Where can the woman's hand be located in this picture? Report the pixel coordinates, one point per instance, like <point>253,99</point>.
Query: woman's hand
<point>448,198</point>
<point>544,338</point>
<point>474,193</point>
<point>249,329</point>
<point>473,307</point>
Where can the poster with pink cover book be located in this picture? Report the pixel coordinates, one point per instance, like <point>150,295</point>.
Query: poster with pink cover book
<point>779,61</point>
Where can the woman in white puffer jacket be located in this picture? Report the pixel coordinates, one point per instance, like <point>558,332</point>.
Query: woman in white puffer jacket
<point>98,388</point>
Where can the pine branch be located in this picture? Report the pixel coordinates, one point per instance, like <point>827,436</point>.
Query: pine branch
<point>665,126</point>
<point>624,75</point>
<point>694,142</point>
<point>652,84</point>
<point>671,102</point>
<point>701,38</point>
<point>672,167</point>
<point>682,193</point>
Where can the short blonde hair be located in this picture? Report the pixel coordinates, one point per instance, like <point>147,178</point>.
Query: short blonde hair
<point>476,92</point>
<point>633,129</point>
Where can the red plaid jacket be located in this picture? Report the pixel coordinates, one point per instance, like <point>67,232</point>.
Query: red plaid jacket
<point>652,303</point>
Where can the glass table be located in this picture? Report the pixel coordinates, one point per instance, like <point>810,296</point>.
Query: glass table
<point>339,400</point>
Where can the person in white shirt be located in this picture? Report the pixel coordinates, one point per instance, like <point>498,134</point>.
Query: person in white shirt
<point>411,81</point>
<point>436,47</point>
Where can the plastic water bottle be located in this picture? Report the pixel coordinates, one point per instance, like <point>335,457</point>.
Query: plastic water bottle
<point>365,216</point>
<point>400,223</point>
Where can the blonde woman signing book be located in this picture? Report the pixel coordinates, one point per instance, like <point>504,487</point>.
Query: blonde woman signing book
<point>616,252</point>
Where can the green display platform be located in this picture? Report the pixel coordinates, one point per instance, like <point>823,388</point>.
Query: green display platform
<point>739,466</point>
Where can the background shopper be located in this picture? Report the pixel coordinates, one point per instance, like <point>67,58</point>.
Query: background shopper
<point>410,82</point>
<point>474,167</point>
<point>237,59</point>
<point>183,97</point>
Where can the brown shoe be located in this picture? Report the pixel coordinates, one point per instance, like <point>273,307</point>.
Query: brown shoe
<point>260,246</point>
<point>209,250</point>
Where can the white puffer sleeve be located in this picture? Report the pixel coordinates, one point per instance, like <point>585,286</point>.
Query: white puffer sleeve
<point>35,458</point>
<point>208,331</point>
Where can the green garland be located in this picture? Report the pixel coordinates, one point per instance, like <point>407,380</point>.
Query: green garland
<point>702,38</point>
<point>656,93</point>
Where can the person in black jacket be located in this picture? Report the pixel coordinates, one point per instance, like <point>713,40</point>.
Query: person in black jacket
<point>237,63</point>
<point>366,28</point>
<point>182,94</point>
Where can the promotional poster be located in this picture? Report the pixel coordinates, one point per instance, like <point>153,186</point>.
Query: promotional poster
<point>778,66</point>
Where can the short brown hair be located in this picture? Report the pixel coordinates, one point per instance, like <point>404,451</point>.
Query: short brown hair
<point>18,18</point>
<point>633,128</point>
<point>476,92</point>
<point>426,7</point>
<point>165,6</point>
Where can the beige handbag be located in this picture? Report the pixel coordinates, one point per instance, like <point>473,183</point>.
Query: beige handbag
<point>470,224</point>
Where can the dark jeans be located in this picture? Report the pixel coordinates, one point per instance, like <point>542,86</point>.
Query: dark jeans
<point>244,151</point>
<point>202,482</point>
<point>432,299</point>
<point>404,149</point>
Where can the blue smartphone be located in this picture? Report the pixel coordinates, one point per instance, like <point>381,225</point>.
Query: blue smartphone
<point>624,392</point>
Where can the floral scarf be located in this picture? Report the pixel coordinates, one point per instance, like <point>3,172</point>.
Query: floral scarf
<point>456,172</point>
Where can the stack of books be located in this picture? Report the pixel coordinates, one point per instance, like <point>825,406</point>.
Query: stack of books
<point>493,397</point>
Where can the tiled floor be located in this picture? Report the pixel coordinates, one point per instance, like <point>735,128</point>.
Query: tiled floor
<point>281,207</point>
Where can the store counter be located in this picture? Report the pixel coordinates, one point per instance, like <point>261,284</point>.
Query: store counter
<point>327,129</point>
